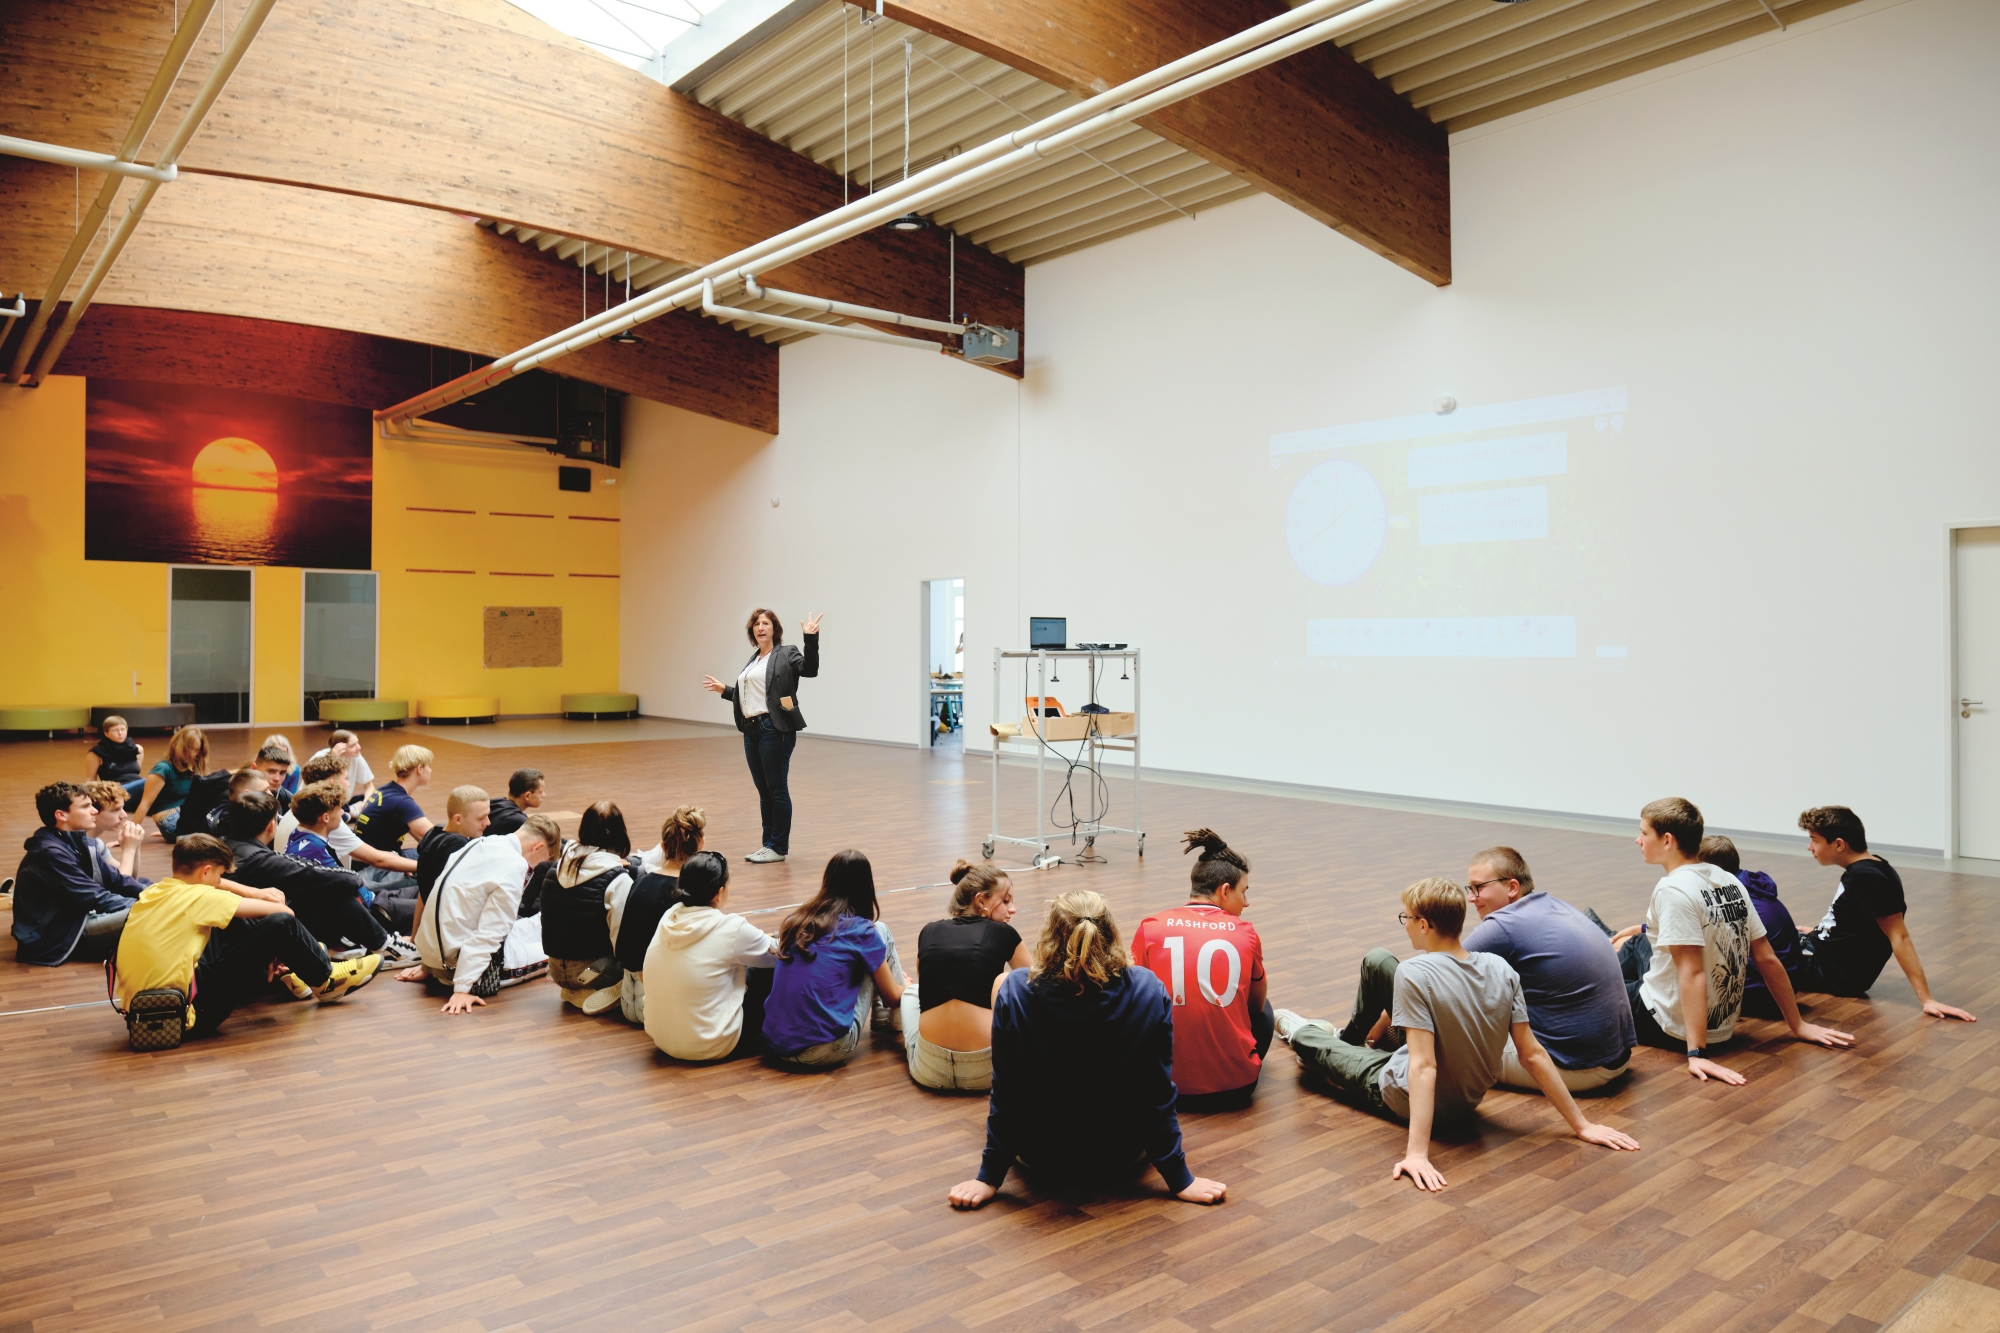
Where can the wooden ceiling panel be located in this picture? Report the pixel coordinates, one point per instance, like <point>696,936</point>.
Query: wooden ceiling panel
<point>220,246</point>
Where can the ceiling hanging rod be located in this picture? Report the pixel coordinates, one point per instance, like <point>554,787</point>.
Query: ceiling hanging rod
<point>177,54</point>
<point>821,304</point>
<point>232,55</point>
<point>77,157</point>
<point>714,311</point>
<point>1309,25</point>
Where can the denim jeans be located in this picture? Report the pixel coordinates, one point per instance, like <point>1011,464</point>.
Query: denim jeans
<point>99,941</point>
<point>768,751</point>
<point>933,1066</point>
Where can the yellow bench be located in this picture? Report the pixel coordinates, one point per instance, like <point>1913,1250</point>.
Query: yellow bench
<point>364,712</point>
<point>47,720</point>
<point>594,706</point>
<point>462,708</point>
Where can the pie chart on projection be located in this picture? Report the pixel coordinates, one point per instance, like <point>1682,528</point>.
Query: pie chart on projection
<point>1336,522</point>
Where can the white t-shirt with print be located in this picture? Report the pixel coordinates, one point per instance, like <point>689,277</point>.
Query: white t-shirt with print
<point>1700,904</point>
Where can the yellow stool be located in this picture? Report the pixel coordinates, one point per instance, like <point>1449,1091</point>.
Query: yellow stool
<point>465,709</point>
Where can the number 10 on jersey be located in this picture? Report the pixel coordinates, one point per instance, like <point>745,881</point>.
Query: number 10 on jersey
<point>1204,963</point>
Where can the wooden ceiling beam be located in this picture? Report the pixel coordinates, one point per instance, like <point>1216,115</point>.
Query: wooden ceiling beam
<point>1316,130</point>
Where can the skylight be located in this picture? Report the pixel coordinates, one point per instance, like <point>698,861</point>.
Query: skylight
<point>632,32</point>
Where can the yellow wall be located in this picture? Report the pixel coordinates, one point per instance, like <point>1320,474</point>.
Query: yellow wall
<point>277,632</point>
<point>432,624</point>
<point>80,630</point>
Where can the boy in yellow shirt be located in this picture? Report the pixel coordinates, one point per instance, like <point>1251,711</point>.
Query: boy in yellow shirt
<point>188,938</point>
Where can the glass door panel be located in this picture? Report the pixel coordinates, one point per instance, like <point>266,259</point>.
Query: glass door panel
<point>209,643</point>
<point>339,639</point>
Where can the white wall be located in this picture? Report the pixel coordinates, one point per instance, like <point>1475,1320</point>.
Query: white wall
<point>1784,251</point>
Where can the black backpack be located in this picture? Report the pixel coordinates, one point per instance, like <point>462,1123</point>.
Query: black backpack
<point>205,793</point>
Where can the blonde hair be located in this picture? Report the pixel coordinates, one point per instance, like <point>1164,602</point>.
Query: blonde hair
<point>278,739</point>
<point>1439,902</point>
<point>105,796</point>
<point>1079,943</point>
<point>680,836</point>
<point>104,727</point>
<point>971,881</point>
<point>410,758</point>
<point>187,750</point>
<point>461,797</point>
<point>540,827</point>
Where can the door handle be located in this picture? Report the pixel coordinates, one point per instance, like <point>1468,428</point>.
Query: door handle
<point>1965,706</point>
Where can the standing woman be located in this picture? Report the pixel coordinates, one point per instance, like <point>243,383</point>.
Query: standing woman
<point>766,698</point>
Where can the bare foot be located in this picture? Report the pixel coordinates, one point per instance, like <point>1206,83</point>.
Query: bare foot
<point>415,974</point>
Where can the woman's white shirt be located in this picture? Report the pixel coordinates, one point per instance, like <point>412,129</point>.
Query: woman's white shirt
<point>750,688</point>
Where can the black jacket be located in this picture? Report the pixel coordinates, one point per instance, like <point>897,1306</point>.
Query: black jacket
<point>782,671</point>
<point>258,867</point>
<point>60,882</point>
<point>504,817</point>
<point>433,851</point>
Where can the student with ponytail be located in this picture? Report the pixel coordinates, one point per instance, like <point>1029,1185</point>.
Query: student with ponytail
<point>707,970</point>
<point>961,960</point>
<point>658,889</point>
<point>1083,1052</point>
<point>1212,964</point>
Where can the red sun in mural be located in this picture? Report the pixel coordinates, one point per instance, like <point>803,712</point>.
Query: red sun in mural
<point>233,463</point>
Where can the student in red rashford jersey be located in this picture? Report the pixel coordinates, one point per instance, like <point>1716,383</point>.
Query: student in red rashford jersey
<point>1212,964</point>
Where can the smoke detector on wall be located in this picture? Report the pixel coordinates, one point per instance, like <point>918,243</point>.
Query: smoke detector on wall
<point>1444,404</point>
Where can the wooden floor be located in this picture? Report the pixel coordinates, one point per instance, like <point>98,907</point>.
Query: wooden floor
<point>374,1164</point>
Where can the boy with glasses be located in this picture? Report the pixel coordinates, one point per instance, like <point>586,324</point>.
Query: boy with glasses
<point>1426,1038</point>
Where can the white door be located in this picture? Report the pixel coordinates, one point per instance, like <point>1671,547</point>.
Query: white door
<point>1977,707</point>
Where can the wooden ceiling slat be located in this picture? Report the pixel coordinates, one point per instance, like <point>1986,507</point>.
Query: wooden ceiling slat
<point>1225,188</point>
<point>1491,39</point>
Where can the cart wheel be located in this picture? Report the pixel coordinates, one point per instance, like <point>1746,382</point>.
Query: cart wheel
<point>1142,845</point>
<point>986,850</point>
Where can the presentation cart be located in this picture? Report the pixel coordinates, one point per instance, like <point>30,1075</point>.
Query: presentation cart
<point>1037,733</point>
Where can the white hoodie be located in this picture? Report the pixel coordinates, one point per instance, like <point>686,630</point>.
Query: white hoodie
<point>695,980</point>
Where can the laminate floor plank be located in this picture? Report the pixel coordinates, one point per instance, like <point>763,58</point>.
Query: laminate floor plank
<point>375,1165</point>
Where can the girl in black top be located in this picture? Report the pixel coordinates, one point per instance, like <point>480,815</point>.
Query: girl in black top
<point>948,1029</point>
<point>657,890</point>
<point>116,758</point>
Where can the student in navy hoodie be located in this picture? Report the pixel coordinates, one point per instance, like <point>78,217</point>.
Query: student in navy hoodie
<point>69,903</point>
<point>1779,928</point>
<point>1083,1054</point>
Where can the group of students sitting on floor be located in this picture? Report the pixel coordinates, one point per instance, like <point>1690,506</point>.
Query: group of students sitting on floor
<point>1088,1048</point>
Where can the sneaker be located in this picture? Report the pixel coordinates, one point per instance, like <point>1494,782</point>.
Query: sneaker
<point>597,1001</point>
<point>296,985</point>
<point>399,952</point>
<point>349,976</point>
<point>1289,1022</point>
<point>764,856</point>
<point>346,955</point>
<point>881,1017</point>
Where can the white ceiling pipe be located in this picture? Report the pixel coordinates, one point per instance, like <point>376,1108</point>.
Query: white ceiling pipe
<point>1168,84</point>
<point>77,157</point>
<point>710,308</point>
<point>232,55</point>
<point>135,138</point>
<point>672,295</point>
<point>851,311</point>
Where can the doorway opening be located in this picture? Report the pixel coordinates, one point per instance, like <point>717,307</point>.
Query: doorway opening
<point>208,643</point>
<point>339,648</point>
<point>943,682</point>
<point>1976,693</point>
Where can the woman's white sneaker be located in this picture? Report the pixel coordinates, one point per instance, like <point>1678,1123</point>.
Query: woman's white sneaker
<point>764,856</point>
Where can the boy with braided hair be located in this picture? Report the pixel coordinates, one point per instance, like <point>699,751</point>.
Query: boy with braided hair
<point>1212,964</point>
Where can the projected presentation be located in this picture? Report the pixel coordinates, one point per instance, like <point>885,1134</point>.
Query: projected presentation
<point>1490,531</point>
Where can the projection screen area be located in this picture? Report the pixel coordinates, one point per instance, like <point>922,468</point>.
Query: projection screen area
<point>1486,531</point>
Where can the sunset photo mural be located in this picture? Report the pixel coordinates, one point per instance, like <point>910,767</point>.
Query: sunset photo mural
<point>185,474</point>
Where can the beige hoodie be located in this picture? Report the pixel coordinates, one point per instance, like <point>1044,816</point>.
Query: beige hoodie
<point>695,979</point>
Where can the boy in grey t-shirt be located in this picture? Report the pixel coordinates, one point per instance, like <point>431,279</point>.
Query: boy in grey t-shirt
<point>1447,1016</point>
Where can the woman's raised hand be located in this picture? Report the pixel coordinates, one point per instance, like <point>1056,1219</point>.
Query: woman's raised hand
<point>712,684</point>
<point>811,625</point>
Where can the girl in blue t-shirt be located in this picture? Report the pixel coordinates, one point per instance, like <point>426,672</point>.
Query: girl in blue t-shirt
<point>834,960</point>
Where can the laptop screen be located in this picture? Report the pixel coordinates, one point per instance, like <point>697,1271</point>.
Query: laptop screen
<point>1048,631</point>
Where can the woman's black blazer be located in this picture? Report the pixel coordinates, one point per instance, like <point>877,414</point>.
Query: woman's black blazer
<point>782,670</point>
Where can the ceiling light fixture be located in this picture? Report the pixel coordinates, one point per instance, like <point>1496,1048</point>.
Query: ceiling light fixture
<point>910,222</point>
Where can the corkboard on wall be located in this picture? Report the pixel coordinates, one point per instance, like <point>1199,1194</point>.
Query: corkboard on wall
<point>523,636</point>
